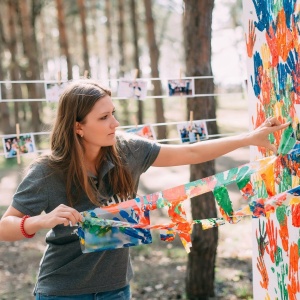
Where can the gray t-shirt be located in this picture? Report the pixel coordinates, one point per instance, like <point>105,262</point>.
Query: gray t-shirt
<point>64,269</point>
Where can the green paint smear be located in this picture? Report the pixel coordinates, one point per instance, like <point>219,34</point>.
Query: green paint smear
<point>222,198</point>
<point>271,138</point>
<point>260,187</point>
<point>281,214</point>
<point>285,180</point>
<point>160,203</point>
<point>287,141</point>
<point>278,256</point>
<point>244,171</point>
<point>242,183</point>
<point>273,270</point>
<point>230,175</point>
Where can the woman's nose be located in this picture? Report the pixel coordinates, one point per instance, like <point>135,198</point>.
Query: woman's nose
<point>115,123</point>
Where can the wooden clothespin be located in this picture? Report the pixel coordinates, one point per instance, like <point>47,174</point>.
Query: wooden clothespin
<point>191,117</point>
<point>18,145</point>
<point>85,74</point>
<point>135,74</point>
<point>59,78</point>
<point>135,122</point>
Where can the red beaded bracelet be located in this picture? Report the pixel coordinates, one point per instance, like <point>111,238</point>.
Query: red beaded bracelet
<point>29,236</point>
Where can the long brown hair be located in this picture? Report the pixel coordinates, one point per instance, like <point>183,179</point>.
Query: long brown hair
<point>67,148</point>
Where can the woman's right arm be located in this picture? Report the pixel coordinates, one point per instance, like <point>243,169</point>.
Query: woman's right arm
<point>10,223</point>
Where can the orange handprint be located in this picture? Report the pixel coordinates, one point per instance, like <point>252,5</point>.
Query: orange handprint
<point>272,235</point>
<point>250,41</point>
<point>263,271</point>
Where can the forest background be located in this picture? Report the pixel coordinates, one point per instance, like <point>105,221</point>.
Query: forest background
<point>51,40</point>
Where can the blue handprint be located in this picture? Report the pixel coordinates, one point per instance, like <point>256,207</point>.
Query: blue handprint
<point>289,7</point>
<point>263,10</point>
<point>256,82</point>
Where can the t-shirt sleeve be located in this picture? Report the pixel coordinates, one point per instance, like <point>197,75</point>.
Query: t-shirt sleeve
<point>141,153</point>
<point>31,197</point>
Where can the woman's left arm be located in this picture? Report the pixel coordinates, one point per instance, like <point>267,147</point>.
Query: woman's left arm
<point>186,154</point>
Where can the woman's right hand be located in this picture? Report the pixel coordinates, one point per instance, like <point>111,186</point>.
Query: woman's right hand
<point>61,215</point>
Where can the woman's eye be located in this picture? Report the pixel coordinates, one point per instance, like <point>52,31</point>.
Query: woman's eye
<point>103,118</point>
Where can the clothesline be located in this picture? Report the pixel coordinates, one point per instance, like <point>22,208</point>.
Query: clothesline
<point>118,98</point>
<point>106,80</point>
<point>211,136</point>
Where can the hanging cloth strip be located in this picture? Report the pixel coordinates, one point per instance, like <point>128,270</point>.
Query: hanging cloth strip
<point>128,223</point>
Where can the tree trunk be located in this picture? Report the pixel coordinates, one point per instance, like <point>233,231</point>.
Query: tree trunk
<point>82,13</point>
<point>31,52</point>
<point>98,49</point>
<point>154,58</point>
<point>121,44</point>
<point>13,67</point>
<point>108,36</point>
<point>63,41</point>
<point>133,3</point>
<point>197,32</point>
<point>4,111</point>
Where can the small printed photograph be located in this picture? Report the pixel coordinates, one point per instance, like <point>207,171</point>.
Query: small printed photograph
<point>180,87</point>
<point>132,89</point>
<point>192,132</point>
<point>25,144</point>
<point>145,131</point>
<point>53,91</point>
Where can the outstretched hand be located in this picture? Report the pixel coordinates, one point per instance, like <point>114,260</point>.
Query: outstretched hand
<point>260,136</point>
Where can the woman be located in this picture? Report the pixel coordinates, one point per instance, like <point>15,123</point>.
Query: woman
<point>91,165</point>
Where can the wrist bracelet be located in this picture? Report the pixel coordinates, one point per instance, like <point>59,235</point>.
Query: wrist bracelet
<point>28,236</point>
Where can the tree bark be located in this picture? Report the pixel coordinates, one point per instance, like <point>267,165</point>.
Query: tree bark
<point>63,40</point>
<point>154,58</point>
<point>121,44</point>
<point>82,13</point>
<point>140,116</point>
<point>197,33</point>
<point>31,52</point>
<point>108,36</point>
<point>4,110</point>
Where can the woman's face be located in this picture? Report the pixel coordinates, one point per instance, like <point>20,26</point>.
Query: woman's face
<point>99,126</point>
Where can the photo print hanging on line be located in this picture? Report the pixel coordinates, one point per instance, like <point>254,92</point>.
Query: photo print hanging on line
<point>24,144</point>
<point>180,87</point>
<point>132,89</point>
<point>192,132</point>
<point>145,131</point>
<point>54,90</point>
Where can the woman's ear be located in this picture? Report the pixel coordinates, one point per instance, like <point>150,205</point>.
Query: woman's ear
<point>79,129</point>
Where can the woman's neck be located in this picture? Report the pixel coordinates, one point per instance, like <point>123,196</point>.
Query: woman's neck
<point>90,162</point>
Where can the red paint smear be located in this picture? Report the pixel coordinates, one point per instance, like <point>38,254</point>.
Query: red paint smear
<point>284,36</point>
<point>259,208</point>
<point>177,193</point>
<point>263,271</point>
<point>179,215</point>
<point>247,191</point>
<point>293,286</point>
<point>272,235</point>
<point>250,41</point>
<point>266,176</point>
<point>296,215</point>
<point>284,234</point>
<point>272,43</point>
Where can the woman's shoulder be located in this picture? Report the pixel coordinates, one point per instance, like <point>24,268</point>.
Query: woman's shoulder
<point>41,165</point>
